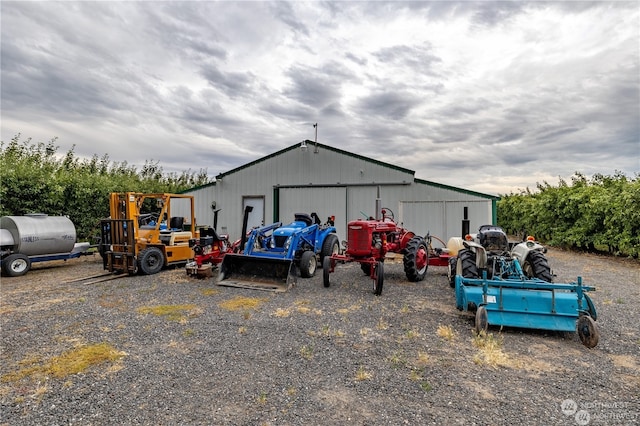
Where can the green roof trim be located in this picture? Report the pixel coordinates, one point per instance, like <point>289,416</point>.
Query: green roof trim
<point>455,188</point>
<point>312,144</point>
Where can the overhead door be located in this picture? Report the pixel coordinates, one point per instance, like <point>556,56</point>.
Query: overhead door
<point>324,201</point>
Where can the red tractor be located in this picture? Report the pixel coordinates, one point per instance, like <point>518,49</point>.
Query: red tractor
<point>368,242</point>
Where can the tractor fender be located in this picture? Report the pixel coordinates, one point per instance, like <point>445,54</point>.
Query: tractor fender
<point>481,253</point>
<point>521,250</point>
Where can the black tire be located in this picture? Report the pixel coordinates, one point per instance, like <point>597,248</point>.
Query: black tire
<point>379,280</point>
<point>331,245</point>
<point>482,322</point>
<point>366,268</point>
<point>467,260</point>
<point>452,271</point>
<point>16,265</point>
<point>587,331</point>
<point>537,266</point>
<point>150,261</point>
<point>416,259</point>
<point>308,264</point>
<point>326,268</point>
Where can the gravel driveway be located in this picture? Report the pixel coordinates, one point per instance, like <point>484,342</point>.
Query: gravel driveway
<point>183,351</point>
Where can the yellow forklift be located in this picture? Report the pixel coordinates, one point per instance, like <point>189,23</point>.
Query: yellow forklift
<point>147,232</point>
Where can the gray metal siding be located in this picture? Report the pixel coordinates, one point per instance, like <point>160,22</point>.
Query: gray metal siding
<point>332,183</point>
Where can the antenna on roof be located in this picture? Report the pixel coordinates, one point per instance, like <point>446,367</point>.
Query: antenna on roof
<point>315,126</point>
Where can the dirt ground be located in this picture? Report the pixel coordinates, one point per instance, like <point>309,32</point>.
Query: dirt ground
<point>312,355</point>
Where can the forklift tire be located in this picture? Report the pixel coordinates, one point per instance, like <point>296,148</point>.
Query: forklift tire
<point>452,271</point>
<point>326,268</point>
<point>379,281</point>
<point>150,261</point>
<point>330,246</point>
<point>308,264</point>
<point>537,266</point>
<point>16,265</point>
<point>416,259</point>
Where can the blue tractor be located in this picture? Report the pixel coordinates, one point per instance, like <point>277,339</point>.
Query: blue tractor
<point>271,256</point>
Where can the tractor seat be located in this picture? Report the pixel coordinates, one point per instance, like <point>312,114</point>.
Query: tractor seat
<point>303,217</point>
<point>211,232</point>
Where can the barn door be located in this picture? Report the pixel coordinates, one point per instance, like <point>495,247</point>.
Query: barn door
<point>256,217</point>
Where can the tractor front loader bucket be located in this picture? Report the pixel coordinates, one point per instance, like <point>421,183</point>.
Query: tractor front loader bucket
<point>256,272</point>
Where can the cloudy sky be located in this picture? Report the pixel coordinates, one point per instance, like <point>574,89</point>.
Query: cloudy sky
<point>488,96</point>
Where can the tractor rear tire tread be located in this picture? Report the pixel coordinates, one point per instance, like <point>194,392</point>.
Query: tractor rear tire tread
<point>416,247</point>
<point>330,246</point>
<point>467,260</point>
<point>539,266</point>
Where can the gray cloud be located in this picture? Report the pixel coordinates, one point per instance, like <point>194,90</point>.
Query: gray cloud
<point>460,92</point>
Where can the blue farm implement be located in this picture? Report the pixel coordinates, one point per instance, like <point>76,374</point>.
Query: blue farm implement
<point>273,254</point>
<point>512,299</point>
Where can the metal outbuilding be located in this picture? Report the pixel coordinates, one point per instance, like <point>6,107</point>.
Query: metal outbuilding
<point>312,177</point>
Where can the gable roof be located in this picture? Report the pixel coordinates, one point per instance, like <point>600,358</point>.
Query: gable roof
<point>327,147</point>
<point>349,154</point>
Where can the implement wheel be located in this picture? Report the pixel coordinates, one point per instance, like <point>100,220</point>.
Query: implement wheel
<point>308,264</point>
<point>416,259</point>
<point>482,322</point>
<point>587,331</point>
<point>378,282</point>
<point>151,261</point>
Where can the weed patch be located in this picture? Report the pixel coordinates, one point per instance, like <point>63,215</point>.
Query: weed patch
<point>241,303</point>
<point>71,362</point>
<point>178,313</point>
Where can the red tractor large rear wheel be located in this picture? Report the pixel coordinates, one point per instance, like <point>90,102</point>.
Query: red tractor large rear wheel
<point>416,259</point>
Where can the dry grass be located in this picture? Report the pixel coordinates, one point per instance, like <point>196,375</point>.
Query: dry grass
<point>446,332</point>
<point>490,350</point>
<point>179,313</point>
<point>71,362</point>
<point>362,374</point>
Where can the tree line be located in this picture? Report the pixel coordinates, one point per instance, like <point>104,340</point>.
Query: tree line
<point>601,213</point>
<point>36,178</point>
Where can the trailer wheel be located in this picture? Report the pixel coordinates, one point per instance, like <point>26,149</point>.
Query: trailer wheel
<point>330,246</point>
<point>537,266</point>
<point>467,260</point>
<point>151,261</point>
<point>378,282</point>
<point>416,259</point>
<point>326,268</point>
<point>452,271</point>
<point>308,264</point>
<point>16,264</point>
<point>482,322</point>
<point>587,331</point>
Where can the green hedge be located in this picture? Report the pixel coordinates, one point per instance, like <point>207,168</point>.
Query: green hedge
<point>34,178</point>
<point>597,214</point>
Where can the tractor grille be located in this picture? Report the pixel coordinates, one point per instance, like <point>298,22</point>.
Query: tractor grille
<point>359,241</point>
<point>280,241</point>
